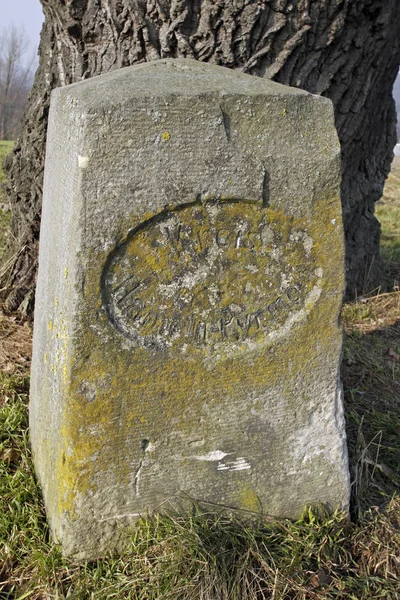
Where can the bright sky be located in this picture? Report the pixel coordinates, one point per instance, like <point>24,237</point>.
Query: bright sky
<point>28,14</point>
<point>23,13</point>
<point>396,91</point>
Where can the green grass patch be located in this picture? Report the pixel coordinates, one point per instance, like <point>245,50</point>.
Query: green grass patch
<point>23,529</point>
<point>5,218</point>
<point>388,214</point>
<point>5,148</point>
<point>389,217</point>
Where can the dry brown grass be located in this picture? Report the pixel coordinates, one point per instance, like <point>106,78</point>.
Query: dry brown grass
<point>15,345</point>
<point>377,544</point>
<point>371,314</point>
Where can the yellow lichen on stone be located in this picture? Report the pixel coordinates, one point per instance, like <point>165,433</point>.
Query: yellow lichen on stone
<point>134,385</point>
<point>248,498</point>
<point>193,345</point>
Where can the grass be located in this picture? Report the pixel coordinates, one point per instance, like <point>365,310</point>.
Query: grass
<point>388,213</point>
<point>5,217</point>
<point>218,556</point>
<point>5,148</point>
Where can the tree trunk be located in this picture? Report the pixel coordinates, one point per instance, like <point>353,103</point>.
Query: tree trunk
<point>347,50</point>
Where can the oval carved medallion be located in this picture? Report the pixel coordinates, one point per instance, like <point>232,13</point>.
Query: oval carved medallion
<point>208,273</point>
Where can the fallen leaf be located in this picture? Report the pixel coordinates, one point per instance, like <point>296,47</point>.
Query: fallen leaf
<point>314,581</point>
<point>10,455</point>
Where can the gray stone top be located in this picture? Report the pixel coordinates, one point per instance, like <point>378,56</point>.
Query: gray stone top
<point>168,77</point>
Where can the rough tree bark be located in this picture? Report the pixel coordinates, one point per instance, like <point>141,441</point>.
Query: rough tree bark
<point>348,50</point>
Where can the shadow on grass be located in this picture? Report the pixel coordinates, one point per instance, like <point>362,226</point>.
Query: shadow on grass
<point>371,380</point>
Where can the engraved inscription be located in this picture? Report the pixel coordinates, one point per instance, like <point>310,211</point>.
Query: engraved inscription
<point>209,273</point>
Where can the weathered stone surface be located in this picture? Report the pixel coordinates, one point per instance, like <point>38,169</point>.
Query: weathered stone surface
<point>186,326</point>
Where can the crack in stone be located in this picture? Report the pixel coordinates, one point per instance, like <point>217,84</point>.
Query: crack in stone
<point>227,124</point>
<point>265,189</point>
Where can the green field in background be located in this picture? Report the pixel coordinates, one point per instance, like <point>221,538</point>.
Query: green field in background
<point>5,148</point>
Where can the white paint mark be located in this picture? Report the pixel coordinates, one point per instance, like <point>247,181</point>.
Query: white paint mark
<point>114,517</point>
<point>333,221</point>
<point>83,161</point>
<point>211,456</point>
<point>239,464</point>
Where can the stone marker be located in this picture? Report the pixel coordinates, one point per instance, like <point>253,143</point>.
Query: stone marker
<point>190,283</point>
